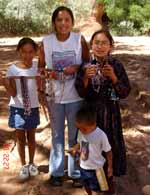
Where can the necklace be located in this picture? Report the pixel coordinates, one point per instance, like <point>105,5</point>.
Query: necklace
<point>98,79</point>
<point>25,96</point>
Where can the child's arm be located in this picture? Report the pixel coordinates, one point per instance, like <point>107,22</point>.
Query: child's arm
<point>74,149</point>
<point>109,160</point>
<point>10,85</point>
<point>119,78</point>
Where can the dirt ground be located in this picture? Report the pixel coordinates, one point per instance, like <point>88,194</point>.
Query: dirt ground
<point>134,53</point>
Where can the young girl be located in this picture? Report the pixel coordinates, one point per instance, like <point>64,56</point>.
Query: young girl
<point>63,51</point>
<point>20,84</point>
<point>102,83</point>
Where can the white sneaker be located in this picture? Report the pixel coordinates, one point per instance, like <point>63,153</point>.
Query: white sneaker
<point>33,170</point>
<point>24,172</point>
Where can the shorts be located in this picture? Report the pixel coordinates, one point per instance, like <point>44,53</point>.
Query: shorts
<point>18,120</point>
<point>89,180</point>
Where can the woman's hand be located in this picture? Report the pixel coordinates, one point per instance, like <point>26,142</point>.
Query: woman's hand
<point>53,75</point>
<point>70,70</point>
<point>108,71</point>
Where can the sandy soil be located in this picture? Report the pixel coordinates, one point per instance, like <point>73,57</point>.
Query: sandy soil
<point>134,53</point>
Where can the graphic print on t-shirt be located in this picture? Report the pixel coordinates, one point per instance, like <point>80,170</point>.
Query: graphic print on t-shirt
<point>84,151</point>
<point>62,60</point>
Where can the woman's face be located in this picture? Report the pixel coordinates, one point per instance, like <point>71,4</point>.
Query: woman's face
<point>63,23</point>
<point>101,45</point>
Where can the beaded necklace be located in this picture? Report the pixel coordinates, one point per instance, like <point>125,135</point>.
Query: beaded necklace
<point>25,96</point>
<point>98,79</point>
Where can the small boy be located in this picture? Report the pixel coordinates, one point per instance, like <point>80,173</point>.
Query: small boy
<point>91,142</point>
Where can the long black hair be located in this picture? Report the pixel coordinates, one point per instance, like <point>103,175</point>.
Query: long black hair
<point>106,33</point>
<point>62,8</point>
<point>24,41</point>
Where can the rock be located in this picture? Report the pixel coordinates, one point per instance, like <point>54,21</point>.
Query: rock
<point>146,190</point>
<point>134,89</point>
<point>148,150</point>
<point>148,166</point>
<point>139,153</point>
<point>88,30</point>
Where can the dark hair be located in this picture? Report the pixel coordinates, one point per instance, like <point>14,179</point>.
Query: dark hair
<point>62,8</point>
<point>86,115</point>
<point>106,33</point>
<point>24,41</point>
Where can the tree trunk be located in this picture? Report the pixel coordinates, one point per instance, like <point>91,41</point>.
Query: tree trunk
<point>97,11</point>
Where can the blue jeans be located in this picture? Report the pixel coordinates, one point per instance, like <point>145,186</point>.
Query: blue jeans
<point>58,114</point>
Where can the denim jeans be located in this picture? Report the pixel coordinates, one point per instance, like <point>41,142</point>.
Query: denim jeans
<point>58,114</point>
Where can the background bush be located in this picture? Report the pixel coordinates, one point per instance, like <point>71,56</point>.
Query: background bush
<point>26,17</point>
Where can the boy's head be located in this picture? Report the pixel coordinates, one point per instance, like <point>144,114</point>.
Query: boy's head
<point>86,120</point>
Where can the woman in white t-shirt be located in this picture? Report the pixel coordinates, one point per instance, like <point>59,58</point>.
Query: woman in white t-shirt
<point>23,105</point>
<point>62,52</point>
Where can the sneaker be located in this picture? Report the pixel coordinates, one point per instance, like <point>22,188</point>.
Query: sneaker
<point>24,172</point>
<point>56,181</point>
<point>33,170</point>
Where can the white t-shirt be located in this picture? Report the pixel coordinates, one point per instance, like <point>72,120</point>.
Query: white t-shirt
<point>59,55</point>
<point>17,101</point>
<point>91,147</point>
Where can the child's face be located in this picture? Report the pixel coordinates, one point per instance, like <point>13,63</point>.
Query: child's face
<point>27,53</point>
<point>101,46</point>
<point>86,128</point>
<point>63,23</point>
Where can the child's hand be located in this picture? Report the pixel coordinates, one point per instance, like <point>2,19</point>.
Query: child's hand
<point>71,151</point>
<point>109,171</point>
<point>5,81</point>
<point>90,71</point>
<point>10,85</point>
<point>108,71</point>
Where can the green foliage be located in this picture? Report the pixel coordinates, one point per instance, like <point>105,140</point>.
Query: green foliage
<point>28,17</point>
<point>79,8</point>
<point>116,14</point>
<point>136,15</point>
<point>34,16</point>
<point>24,17</point>
<point>130,17</point>
<point>103,1</point>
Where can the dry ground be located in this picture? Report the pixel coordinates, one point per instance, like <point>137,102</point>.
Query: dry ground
<point>134,53</point>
